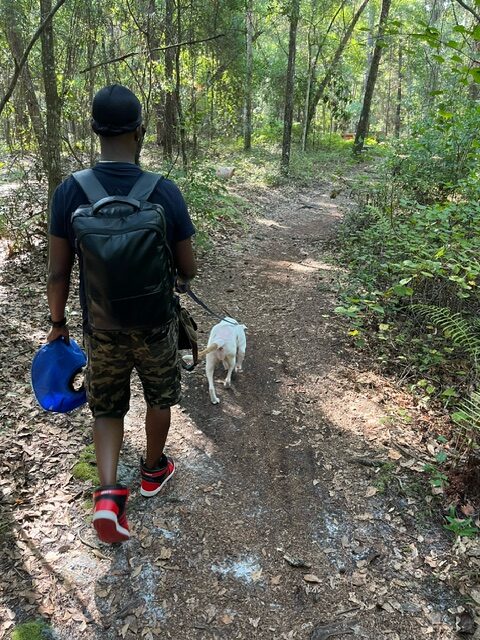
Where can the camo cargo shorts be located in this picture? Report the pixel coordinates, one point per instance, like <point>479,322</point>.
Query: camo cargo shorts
<point>112,357</point>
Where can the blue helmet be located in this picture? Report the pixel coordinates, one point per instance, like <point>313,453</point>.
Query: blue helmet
<point>54,368</point>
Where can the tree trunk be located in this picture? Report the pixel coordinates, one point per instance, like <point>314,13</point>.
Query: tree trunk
<point>169,136</point>
<point>362,128</point>
<point>311,71</point>
<point>16,45</point>
<point>370,44</point>
<point>153,44</point>
<point>247,113</point>
<point>333,65</point>
<point>178,98</point>
<point>389,94</point>
<point>289,88</point>
<point>52,102</point>
<point>398,111</point>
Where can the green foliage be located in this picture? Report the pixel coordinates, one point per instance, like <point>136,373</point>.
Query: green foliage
<point>467,418</point>
<point>454,326</point>
<point>210,205</point>
<point>440,157</point>
<point>413,261</point>
<point>413,251</point>
<point>38,630</point>
<point>86,467</point>
<point>438,480</point>
<point>460,527</point>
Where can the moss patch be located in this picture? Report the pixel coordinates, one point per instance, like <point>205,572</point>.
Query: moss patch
<point>86,467</point>
<point>33,631</point>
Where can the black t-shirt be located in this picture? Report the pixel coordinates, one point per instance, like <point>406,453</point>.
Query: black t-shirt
<point>118,178</point>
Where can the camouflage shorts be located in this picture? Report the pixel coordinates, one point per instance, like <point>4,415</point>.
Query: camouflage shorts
<point>112,357</point>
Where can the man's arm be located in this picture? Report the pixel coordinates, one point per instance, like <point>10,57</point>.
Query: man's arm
<point>60,263</point>
<point>185,260</point>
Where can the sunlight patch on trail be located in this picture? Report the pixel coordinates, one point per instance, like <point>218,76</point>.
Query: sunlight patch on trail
<point>246,568</point>
<point>271,223</point>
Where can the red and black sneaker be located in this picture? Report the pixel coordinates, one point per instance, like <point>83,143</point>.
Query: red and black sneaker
<point>154,479</point>
<point>109,517</point>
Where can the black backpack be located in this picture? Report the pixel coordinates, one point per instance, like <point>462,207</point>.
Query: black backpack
<point>126,262</point>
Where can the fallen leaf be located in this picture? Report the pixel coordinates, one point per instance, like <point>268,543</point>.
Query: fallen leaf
<point>393,454</point>
<point>165,554</point>
<point>256,575</point>
<point>136,572</point>
<point>294,561</point>
<point>311,577</point>
<point>371,491</point>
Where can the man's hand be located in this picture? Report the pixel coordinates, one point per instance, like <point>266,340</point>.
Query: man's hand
<point>181,285</point>
<point>58,332</point>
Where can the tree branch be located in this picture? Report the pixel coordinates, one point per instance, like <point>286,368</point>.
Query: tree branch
<point>20,64</point>
<point>469,9</point>
<point>137,53</point>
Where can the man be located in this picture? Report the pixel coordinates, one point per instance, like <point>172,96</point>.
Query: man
<point>112,355</point>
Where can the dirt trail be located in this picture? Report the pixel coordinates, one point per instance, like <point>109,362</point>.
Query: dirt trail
<point>280,473</point>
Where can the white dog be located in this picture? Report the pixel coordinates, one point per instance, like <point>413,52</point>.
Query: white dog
<point>227,344</point>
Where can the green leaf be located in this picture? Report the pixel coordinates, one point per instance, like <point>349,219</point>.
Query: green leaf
<point>378,308</point>
<point>475,73</point>
<point>476,32</point>
<point>401,290</point>
<point>441,457</point>
<point>438,58</point>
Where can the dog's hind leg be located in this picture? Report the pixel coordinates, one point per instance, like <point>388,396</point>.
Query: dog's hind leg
<point>209,369</point>
<point>241,348</point>
<point>231,366</point>
<point>240,357</point>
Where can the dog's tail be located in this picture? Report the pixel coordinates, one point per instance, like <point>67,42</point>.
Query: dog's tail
<point>212,347</point>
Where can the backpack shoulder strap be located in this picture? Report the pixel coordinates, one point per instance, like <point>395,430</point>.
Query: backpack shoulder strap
<point>144,186</point>
<point>90,185</point>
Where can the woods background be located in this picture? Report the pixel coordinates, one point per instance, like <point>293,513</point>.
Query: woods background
<point>284,91</point>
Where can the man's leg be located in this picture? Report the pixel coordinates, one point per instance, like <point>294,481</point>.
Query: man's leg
<point>108,438</point>
<point>157,424</point>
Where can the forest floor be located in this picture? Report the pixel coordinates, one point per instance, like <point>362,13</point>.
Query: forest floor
<point>300,508</point>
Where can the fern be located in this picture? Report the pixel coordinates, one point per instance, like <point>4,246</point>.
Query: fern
<point>468,418</point>
<point>461,332</point>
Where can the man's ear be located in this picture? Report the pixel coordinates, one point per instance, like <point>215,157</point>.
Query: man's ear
<point>139,133</point>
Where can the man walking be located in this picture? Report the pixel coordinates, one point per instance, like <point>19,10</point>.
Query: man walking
<point>129,252</point>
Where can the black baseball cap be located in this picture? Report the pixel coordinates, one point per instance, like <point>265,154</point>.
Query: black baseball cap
<point>115,110</point>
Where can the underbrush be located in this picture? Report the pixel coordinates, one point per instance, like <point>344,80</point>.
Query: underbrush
<point>413,252</point>
<point>260,167</point>
<point>209,202</point>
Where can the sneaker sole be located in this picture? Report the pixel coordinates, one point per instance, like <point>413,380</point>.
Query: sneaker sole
<point>108,529</point>
<point>149,494</point>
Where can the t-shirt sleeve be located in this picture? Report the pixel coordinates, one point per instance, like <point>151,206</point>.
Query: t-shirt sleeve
<point>57,226</point>
<point>182,225</point>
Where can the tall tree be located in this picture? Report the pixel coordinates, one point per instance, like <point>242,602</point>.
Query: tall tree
<point>320,90</point>
<point>289,87</point>
<point>398,109</point>
<point>52,102</point>
<point>169,130</point>
<point>362,127</point>
<point>247,111</point>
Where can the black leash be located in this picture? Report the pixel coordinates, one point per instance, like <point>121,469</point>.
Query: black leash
<point>202,304</point>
